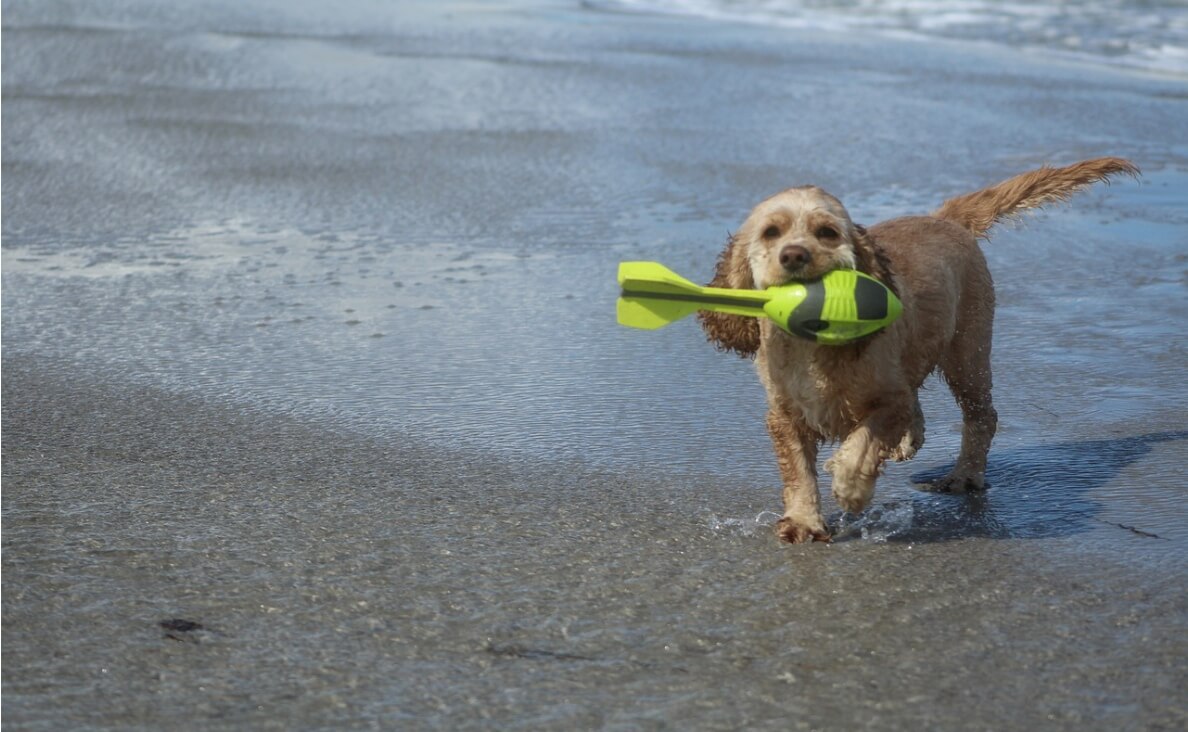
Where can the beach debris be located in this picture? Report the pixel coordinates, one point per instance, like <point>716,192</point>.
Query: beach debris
<point>1133,530</point>
<point>180,629</point>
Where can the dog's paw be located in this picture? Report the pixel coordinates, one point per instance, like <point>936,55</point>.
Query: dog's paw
<point>957,484</point>
<point>852,491</point>
<point>853,503</point>
<point>794,532</point>
<point>902,454</point>
<point>909,444</point>
<point>905,450</point>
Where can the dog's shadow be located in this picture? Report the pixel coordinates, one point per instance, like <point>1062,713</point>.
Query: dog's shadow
<point>1034,492</point>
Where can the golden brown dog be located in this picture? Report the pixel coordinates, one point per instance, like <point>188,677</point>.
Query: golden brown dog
<point>864,394</point>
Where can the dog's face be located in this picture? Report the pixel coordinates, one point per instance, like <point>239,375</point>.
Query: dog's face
<point>798,234</point>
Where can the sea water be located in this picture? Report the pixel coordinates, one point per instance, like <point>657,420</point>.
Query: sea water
<point>1147,35</point>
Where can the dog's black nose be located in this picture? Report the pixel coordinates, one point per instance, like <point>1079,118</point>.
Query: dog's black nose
<point>794,256</point>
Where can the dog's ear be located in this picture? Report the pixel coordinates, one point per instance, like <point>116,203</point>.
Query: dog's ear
<point>736,333</point>
<point>871,258</point>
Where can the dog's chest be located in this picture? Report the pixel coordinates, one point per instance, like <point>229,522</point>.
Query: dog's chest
<point>825,390</point>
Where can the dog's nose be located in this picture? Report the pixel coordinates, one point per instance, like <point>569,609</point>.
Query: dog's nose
<point>794,256</point>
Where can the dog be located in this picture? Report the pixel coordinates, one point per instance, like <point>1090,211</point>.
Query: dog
<point>865,393</point>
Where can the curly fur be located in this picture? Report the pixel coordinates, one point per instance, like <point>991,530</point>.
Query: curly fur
<point>731,332</point>
<point>865,394</point>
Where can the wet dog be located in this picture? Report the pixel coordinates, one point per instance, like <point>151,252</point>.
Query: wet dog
<point>865,394</point>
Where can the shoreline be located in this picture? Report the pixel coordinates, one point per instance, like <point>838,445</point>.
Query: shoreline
<point>127,507</point>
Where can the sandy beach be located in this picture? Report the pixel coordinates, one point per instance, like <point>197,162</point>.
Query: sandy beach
<point>315,413</point>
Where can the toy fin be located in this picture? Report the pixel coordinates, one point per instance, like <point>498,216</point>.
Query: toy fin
<point>651,313</point>
<point>654,296</point>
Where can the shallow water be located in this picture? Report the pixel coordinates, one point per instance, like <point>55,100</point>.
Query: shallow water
<point>403,230</point>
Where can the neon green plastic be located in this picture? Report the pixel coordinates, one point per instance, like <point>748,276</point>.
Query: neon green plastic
<point>841,307</point>
<point>641,279</point>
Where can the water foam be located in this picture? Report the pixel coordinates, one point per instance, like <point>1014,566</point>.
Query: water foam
<point>1153,37</point>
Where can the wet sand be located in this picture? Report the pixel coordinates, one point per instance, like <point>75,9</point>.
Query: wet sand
<point>308,355</point>
<point>353,582</point>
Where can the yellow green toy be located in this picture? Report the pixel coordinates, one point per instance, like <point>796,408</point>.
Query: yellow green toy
<point>839,308</point>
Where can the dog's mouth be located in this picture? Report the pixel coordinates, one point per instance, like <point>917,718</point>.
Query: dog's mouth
<point>802,274</point>
<point>810,266</point>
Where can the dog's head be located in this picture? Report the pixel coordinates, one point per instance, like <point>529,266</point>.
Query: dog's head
<point>798,234</point>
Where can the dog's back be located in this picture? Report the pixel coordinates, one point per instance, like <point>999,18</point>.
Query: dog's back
<point>944,282</point>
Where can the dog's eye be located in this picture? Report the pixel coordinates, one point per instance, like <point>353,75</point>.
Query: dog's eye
<point>827,232</point>
<point>771,232</point>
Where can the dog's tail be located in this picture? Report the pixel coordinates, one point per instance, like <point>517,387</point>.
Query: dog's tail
<point>978,211</point>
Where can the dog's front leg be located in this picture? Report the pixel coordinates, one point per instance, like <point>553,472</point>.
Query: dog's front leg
<point>858,463</point>
<point>796,450</point>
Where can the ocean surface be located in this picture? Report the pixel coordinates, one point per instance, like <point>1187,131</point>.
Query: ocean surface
<point>1145,35</point>
<point>309,339</point>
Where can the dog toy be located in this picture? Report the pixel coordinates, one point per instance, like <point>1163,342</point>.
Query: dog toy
<point>837,309</point>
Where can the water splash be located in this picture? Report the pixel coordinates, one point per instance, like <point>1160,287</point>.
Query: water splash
<point>762,521</point>
<point>878,523</point>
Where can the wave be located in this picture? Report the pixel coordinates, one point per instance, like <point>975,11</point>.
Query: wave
<point>1151,35</point>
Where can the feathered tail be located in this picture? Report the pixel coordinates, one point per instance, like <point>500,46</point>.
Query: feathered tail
<point>978,211</point>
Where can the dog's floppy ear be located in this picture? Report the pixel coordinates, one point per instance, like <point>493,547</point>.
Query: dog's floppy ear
<point>871,258</point>
<point>736,333</point>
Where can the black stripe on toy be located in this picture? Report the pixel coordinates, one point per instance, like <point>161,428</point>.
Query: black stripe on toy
<point>871,298</point>
<point>805,321</point>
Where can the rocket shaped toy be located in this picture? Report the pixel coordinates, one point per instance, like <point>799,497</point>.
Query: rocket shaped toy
<point>837,309</point>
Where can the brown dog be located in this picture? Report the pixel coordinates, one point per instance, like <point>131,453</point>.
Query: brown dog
<point>864,394</point>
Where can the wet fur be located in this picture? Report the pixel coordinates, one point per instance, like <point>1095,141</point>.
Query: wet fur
<point>865,394</point>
